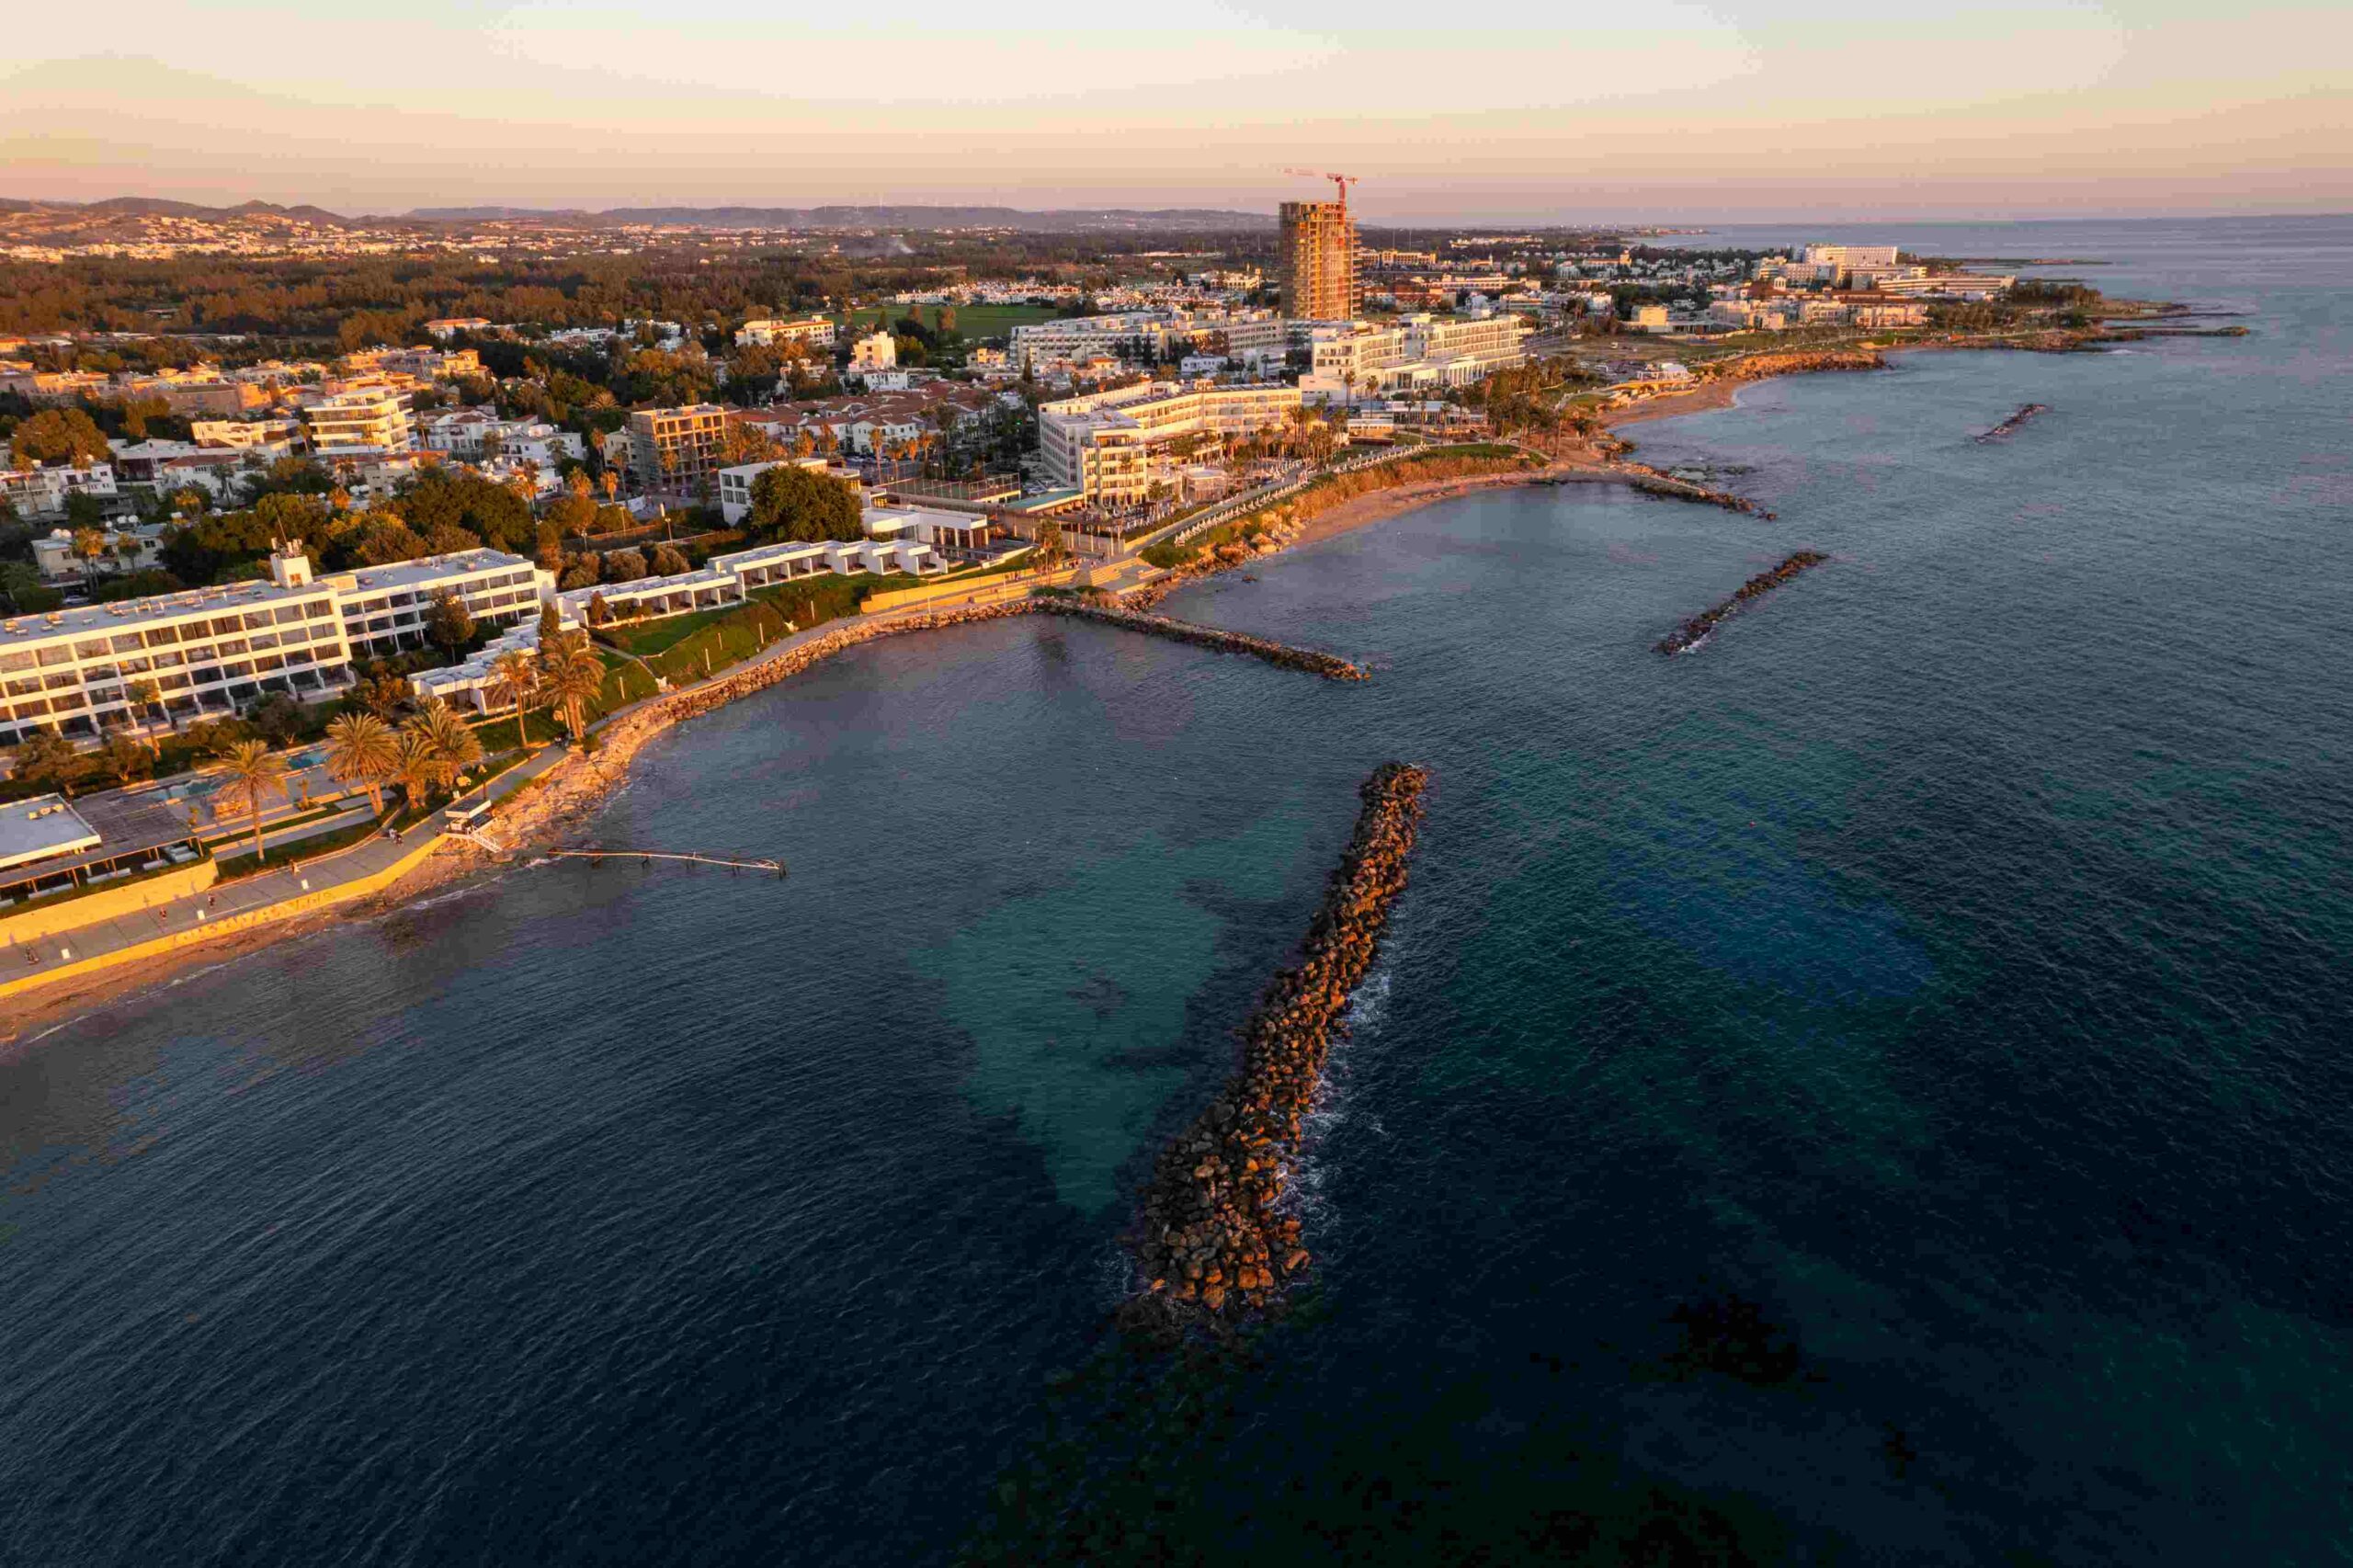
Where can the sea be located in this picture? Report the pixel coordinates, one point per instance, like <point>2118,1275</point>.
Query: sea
<point>1877,1089</point>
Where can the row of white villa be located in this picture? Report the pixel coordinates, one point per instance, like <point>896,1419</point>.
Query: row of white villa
<point>905,540</point>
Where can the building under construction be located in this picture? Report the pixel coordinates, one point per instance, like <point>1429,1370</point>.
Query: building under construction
<point>1316,260</point>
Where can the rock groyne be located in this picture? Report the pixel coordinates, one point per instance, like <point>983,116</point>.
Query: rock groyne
<point>1331,666</point>
<point>1650,482</point>
<point>2026,412</point>
<point>1209,1242</point>
<point>1694,631</point>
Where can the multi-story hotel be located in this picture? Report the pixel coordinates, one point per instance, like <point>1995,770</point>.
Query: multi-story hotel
<point>1315,259</point>
<point>360,422</point>
<point>675,449</point>
<point>1361,359</point>
<point>209,652</point>
<point>1109,446</point>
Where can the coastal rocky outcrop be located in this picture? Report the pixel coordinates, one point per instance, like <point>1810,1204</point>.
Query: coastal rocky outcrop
<point>1211,1241</point>
<point>1694,631</point>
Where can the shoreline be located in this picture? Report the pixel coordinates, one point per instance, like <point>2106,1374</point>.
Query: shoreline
<point>558,802</point>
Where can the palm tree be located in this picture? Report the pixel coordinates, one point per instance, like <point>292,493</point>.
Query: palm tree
<point>361,749</point>
<point>515,678</point>
<point>90,545</point>
<point>254,771</point>
<point>415,766</point>
<point>572,675</point>
<point>455,745</point>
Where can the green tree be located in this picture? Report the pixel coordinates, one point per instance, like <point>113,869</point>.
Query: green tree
<point>792,503</point>
<point>514,679</point>
<point>669,561</point>
<point>362,750</point>
<point>454,745</point>
<point>255,772</point>
<point>58,434</point>
<point>48,760</point>
<point>573,676</point>
<point>449,623</point>
<point>27,594</point>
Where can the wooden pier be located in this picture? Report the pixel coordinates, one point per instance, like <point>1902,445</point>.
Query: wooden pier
<point>651,855</point>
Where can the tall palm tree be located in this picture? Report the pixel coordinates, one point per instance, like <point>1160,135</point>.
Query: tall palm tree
<point>515,678</point>
<point>572,675</point>
<point>456,747</point>
<point>416,766</point>
<point>255,771</point>
<point>361,749</point>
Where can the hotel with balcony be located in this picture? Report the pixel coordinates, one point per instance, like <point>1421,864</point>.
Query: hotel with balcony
<point>212,651</point>
<point>1112,446</point>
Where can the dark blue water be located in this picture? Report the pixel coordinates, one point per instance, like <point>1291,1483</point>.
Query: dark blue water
<point>1874,1090</point>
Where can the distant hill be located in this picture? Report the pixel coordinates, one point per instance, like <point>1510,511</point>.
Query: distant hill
<point>157,207</point>
<point>1059,221</point>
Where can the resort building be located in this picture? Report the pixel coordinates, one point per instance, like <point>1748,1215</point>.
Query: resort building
<point>1112,446</point>
<point>672,450</point>
<point>137,663</point>
<point>1361,361</point>
<point>1315,260</point>
<point>51,845</point>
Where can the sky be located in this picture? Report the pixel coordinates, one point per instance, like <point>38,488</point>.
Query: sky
<point>1564,111</point>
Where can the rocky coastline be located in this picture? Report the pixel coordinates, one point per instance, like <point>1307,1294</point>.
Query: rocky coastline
<point>1211,1244</point>
<point>1282,656</point>
<point>1696,630</point>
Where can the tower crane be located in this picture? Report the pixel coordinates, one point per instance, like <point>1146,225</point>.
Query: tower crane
<point>1341,182</point>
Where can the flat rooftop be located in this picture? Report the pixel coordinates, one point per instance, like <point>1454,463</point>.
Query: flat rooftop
<point>40,827</point>
<point>88,620</point>
<point>115,823</point>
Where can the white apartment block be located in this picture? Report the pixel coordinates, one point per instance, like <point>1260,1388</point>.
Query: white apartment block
<point>814,332</point>
<point>214,651</point>
<point>360,422</point>
<point>1110,447</point>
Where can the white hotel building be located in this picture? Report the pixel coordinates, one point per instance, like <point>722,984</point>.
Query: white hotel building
<point>1421,352</point>
<point>212,651</point>
<point>1110,447</point>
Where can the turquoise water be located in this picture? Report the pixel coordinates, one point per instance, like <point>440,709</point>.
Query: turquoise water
<point>1873,1090</point>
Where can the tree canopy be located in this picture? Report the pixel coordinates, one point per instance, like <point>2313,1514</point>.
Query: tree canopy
<point>793,503</point>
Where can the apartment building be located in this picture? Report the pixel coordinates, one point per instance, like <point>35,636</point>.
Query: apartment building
<point>42,491</point>
<point>875,351</point>
<point>1315,261</point>
<point>1111,447</point>
<point>811,332</point>
<point>209,652</point>
<point>360,422</point>
<point>674,450</point>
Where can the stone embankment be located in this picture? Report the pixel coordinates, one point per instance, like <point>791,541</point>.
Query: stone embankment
<point>1331,666</point>
<point>1694,631</point>
<point>2026,412</point>
<point>1211,1240</point>
<point>570,790</point>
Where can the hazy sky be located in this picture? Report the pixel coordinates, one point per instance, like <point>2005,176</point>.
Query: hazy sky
<point>1668,109</point>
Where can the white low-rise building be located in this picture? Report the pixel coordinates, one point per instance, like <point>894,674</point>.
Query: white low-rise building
<point>41,493</point>
<point>1112,446</point>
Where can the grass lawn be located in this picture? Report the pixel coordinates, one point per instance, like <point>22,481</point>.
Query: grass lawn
<point>973,322</point>
<point>660,636</point>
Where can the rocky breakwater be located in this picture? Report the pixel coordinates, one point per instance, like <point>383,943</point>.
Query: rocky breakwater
<point>1331,666</point>
<point>1650,482</point>
<point>1696,630</point>
<point>1211,1242</point>
<point>2026,412</point>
